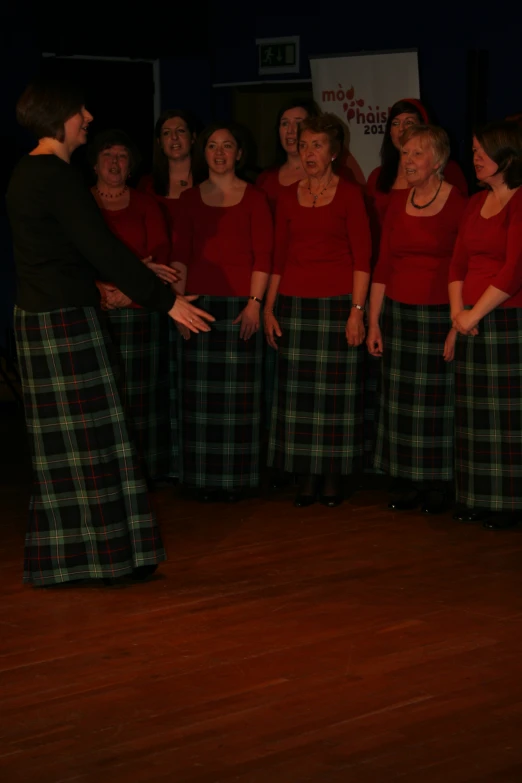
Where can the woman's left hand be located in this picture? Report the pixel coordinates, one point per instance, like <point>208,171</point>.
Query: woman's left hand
<point>249,319</point>
<point>355,331</point>
<point>165,273</point>
<point>466,323</point>
<point>449,345</point>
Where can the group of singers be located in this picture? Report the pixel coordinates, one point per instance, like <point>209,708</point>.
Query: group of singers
<point>288,259</point>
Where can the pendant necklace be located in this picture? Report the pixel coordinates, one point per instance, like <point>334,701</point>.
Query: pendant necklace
<point>423,206</point>
<point>315,196</point>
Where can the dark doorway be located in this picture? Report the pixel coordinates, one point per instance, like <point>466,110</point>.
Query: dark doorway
<point>118,93</point>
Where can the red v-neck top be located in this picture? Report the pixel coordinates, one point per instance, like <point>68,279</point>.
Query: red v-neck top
<point>489,251</point>
<point>222,246</point>
<point>317,249</point>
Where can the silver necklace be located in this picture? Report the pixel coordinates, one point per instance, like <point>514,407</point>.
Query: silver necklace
<point>315,196</point>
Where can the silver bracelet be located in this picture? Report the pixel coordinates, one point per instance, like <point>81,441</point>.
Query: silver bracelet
<point>358,307</point>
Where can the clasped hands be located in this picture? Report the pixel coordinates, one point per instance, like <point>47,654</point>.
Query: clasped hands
<point>465,322</point>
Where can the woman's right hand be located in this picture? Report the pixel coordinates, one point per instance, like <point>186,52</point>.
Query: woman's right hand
<point>272,328</point>
<point>184,313</point>
<point>374,340</point>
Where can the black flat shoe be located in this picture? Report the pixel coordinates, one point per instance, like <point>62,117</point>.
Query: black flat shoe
<point>113,581</point>
<point>141,573</point>
<point>406,502</point>
<point>434,502</point>
<point>331,501</point>
<point>279,480</point>
<point>208,495</point>
<point>470,515</point>
<point>502,522</point>
<point>303,501</point>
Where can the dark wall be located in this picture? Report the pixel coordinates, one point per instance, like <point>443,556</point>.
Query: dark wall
<point>468,61</point>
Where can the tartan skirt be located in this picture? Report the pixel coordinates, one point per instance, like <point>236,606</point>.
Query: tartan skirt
<point>317,414</point>
<point>488,413</point>
<point>89,513</point>
<point>141,339</point>
<point>174,411</point>
<point>415,414</point>
<point>221,380</point>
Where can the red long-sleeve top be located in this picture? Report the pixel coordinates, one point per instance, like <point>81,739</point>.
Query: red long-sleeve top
<point>169,206</point>
<point>142,228</point>
<point>416,251</point>
<point>222,246</point>
<point>488,251</point>
<point>317,249</point>
<point>452,174</point>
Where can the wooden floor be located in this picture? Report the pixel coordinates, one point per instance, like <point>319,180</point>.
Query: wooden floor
<point>276,646</point>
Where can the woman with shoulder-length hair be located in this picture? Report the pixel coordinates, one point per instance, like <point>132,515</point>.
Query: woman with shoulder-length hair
<point>172,173</point>
<point>387,179</point>
<point>486,307</point>
<point>288,168</point>
<point>224,250</point>
<point>413,333</point>
<point>89,511</point>
<point>140,335</point>
<point>321,274</point>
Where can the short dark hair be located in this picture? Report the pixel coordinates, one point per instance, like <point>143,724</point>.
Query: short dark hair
<point>160,164</point>
<point>200,164</point>
<point>502,142</point>
<point>332,127</point>
<point>110,138</point>
<point>46,104</point>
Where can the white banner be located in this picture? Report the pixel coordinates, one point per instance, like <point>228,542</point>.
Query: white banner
<point>360,90</point>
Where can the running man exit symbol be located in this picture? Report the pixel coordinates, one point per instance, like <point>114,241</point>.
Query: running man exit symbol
<point>278,55</point>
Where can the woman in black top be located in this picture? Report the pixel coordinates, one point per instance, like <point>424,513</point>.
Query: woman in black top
<point>89,511</point>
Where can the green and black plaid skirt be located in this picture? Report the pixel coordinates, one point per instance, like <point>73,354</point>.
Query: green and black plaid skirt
<point>141,338</point>
<point>488,413</point>
<point>317,415</point>
<point>89,514</point>
<point>175,413</point>
<point>221,401</point>
<point>415,414</point>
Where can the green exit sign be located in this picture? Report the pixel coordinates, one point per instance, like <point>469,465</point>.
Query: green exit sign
<point>278,55</point>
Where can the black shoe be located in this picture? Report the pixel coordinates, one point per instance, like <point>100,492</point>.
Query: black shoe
<point>303,501</point>
<point>470,515</point>
<point>113,581</point>
<point>141,573</point>
<point>279,480</point>
<point>208,495</point>
<point>307,494</point>
<point>502,522</point>
<point>407,501</point>
<point>434,502</point>
<point>331,501</point>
